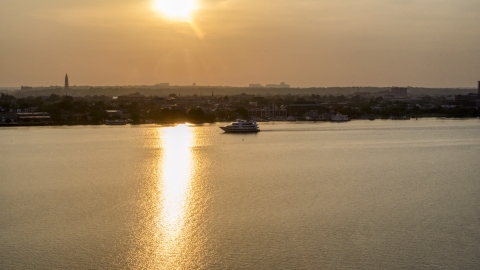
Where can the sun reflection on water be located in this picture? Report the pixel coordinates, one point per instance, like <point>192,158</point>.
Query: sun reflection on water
<point>176,167</point>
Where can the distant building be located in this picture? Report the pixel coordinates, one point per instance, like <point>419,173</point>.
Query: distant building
<point>281,85</point>
<point>26,88</point>
<point>255,85</point>
<point>468,101</point>
<point>383,93</point>
<point>162,84</point>
<point>361,94</point>
<point>399,91</point>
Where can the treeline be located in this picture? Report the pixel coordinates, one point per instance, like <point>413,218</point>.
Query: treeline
<point>69,111</point>
<point>168,115</point>
<point>66,110</point>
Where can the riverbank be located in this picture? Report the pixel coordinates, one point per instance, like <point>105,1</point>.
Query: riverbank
<point>15,124</point>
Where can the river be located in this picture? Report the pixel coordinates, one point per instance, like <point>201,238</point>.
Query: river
<point>360,195</point>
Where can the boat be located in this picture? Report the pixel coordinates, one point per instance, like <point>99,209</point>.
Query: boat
<point>241,126</point>
<point>115,122</point>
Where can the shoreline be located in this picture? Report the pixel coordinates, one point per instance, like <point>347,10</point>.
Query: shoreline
<point>5,125</point>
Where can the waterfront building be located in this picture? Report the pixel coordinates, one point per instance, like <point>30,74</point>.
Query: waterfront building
<point>255,85</point>
<point>478,93</point>
<point>478,100</point>
<point>8,117</point>
<point>267,112</point>
<point>26,118</point>
<point>112,113</point>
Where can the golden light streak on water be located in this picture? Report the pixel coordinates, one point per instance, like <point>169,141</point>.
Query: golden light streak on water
<point>174,185</point>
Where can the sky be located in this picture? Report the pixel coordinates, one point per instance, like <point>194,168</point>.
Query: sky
<point>305,43</point>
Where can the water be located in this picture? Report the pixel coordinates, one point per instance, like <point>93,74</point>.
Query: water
<point>359,195</point>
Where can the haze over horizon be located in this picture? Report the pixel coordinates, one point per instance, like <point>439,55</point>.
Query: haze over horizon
<point>305,43</point>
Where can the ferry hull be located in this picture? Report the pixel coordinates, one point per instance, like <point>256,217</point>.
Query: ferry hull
<point>238,131</point>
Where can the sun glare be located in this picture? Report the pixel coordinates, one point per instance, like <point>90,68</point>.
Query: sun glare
<point>175,9</point>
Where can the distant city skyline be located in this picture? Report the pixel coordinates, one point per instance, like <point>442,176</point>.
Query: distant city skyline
<point>236,43</point>
<point>281,85</point>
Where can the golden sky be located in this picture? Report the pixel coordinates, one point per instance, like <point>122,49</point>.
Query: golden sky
<point>431,43</point>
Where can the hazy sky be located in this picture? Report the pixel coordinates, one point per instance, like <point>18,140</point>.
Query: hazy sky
<point>431,43</point>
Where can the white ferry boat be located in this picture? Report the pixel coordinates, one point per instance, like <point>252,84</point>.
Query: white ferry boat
<point>241,126</point>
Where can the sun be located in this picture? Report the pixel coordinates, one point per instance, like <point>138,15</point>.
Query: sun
<point>176,9</point>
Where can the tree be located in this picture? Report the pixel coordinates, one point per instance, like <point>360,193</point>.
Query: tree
<point>341,98</point>
<point>135,118</point>
<point>53,98</point>
<point>6,97</point>
<point>83,119</point>
<point>301,100</point>
<point>242,111</point>
<point>416,109</point>
<point>366,109</point>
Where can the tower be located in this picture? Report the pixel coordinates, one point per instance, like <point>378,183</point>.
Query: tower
<point>66,81</point>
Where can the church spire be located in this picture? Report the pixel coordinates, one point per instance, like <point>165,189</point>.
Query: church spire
<point>66,82</point>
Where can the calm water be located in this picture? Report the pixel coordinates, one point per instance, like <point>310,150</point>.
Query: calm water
<point>360,195</point>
